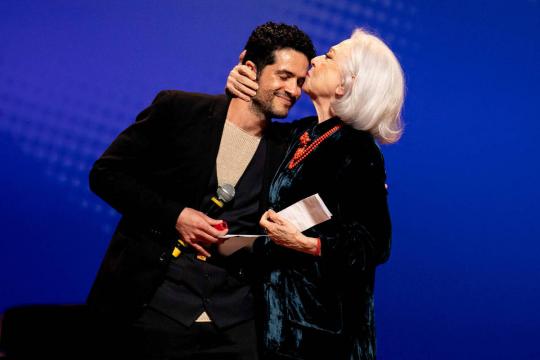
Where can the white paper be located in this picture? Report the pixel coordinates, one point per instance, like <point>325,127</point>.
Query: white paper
<point>307,213</point>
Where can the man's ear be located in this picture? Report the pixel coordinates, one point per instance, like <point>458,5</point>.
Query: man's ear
<point>250,64</point>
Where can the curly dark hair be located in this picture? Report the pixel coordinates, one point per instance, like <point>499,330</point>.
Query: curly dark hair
<point>269,37</point>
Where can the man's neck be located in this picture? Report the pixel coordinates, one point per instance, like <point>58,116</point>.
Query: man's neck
<point>247,117</point>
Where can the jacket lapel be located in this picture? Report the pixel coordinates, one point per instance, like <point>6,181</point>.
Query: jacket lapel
<point>214,121</point>
<point>274,156</point>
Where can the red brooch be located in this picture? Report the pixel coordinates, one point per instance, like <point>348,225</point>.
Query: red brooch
<point>304,139</point>
<point>304,149</point>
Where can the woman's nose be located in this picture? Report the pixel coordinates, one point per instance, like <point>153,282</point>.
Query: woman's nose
<point>315,60</point>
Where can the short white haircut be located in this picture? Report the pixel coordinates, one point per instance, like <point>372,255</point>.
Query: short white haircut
<point>374,88</point>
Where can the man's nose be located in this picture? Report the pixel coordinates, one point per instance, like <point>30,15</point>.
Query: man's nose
<point>293,89</point>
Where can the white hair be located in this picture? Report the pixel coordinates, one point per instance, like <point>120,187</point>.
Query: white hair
<point>374,88</point>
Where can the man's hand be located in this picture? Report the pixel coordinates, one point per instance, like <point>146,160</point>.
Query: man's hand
<point>242,81</point>
<point>196,229</point>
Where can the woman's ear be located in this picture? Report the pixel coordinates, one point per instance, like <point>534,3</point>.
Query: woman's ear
<point>340,91</point>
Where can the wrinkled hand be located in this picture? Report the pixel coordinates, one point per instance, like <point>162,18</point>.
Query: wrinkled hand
<point>196,229</point>
<point>284,233</point>
<point>242,81</point>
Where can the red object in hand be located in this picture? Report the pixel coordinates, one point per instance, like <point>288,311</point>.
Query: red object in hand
<point>222,226</point>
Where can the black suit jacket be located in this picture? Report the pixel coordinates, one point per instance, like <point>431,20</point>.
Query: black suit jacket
<point>155,168</point>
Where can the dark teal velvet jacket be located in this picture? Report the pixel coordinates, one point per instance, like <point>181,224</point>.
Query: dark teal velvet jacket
<point>322,307</point>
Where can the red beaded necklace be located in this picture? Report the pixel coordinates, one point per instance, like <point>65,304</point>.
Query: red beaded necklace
<point>304,149</point>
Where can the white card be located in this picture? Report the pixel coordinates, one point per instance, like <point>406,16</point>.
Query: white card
<point>307,213</point>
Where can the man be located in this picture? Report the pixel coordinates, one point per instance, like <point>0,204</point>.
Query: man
<point>190,302</point>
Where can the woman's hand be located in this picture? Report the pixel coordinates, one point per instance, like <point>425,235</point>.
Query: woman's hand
<point>283,233</point>
<point>242,81</point>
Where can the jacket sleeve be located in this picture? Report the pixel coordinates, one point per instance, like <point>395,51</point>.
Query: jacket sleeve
<point>361,235</point>
<point>118,176</point>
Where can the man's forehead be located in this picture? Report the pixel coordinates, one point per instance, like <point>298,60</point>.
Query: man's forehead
<point>291,61</point>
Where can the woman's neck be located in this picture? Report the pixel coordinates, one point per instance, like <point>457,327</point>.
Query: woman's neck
<point>323,109</point>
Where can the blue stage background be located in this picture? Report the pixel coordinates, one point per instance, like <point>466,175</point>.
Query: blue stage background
<point>463,281</point>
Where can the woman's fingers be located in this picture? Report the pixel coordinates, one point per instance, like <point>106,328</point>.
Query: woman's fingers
<point>239,94</point>
<point>263,222</point>
<point>275,217</point>
<point>243,75</point>
<point>241,82</point>
<point>246,71</point>
<point>232,87</point>
<point>241,56</point>
<point>246,93</point>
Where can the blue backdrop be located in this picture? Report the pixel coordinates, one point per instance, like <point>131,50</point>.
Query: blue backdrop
<point>463,278</point>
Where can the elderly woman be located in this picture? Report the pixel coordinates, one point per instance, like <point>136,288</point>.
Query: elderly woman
<point>317,286</point>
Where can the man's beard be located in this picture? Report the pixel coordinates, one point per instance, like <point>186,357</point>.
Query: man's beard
<point>263,101</point>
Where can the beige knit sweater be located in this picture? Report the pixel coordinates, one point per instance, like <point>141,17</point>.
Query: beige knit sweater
<point>236,150</point>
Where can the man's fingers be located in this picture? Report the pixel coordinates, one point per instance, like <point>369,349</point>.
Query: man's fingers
<point>210,229</point>
<point>202,235</point>
<point>212,221</point>
<point>196,228</point>
<point>201,250</point>
<point>208,236</point>
<point>203,229</point>
<point>218,233</point>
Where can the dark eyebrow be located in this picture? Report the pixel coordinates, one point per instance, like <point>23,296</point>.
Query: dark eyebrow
<point>285,72</point>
